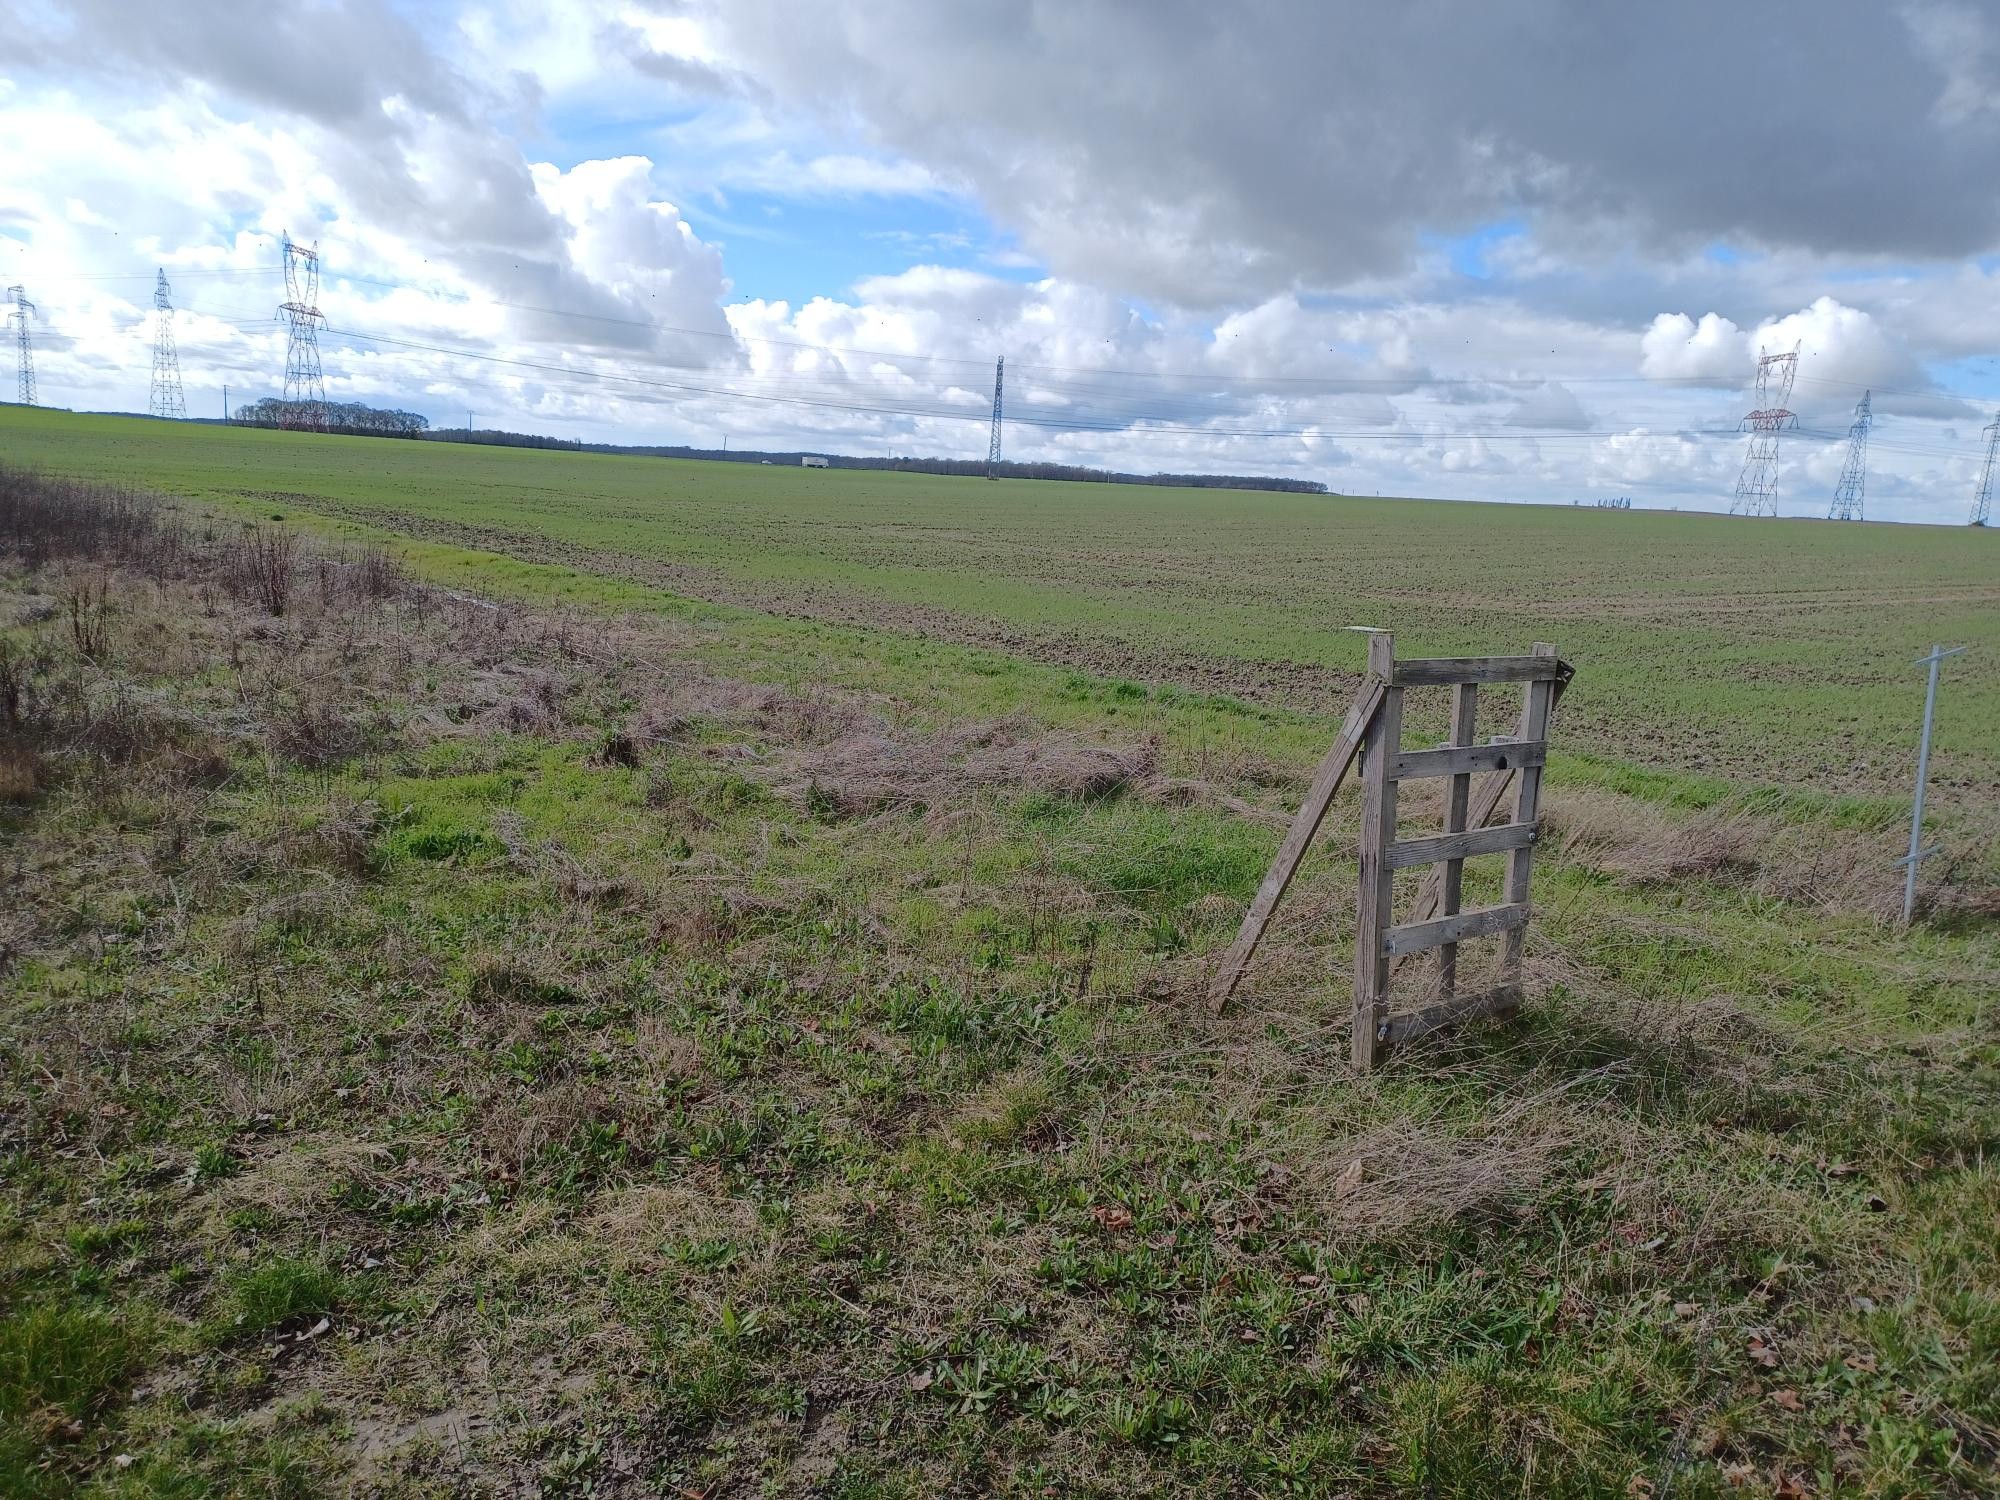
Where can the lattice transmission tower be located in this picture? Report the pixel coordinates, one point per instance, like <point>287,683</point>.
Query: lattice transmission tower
<point>1852,487</point>
<point>168,401</point>
<point>1982,498</point>
<point>1757,485</point>
<point>22,310</point>
<point>993,443</point>
<point>305,386</point>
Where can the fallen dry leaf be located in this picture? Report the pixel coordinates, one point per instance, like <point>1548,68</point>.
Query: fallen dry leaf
<point>921,1381</point>
<point>1345,1185</point>
<point>1113,1217</point>
<point>1789,1400</point>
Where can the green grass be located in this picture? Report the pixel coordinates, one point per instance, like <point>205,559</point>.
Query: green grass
<point>63,1357</point>
<point>662,1127</point>
<point>1770,652</point>
<point>282,1291</point>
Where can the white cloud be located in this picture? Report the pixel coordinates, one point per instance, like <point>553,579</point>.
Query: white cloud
<point>1676,347</point>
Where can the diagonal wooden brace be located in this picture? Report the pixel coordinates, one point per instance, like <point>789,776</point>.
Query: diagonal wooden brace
<point>1326,781</point>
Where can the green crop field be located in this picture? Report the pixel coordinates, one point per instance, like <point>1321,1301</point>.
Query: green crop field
<point>532,973</point>
<point>1775,651</point>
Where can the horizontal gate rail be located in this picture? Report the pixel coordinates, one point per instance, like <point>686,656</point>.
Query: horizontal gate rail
<point>1481,921</point>
<point>1462,760</point>
<point>1444,671</point>
<point>1442,846</point>
<point>1407,1028</point>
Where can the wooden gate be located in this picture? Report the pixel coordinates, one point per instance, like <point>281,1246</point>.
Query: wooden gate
<point>1374,731</point>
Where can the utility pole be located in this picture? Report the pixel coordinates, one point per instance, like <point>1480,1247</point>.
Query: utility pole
<point>1918,854</point>
<point>305,385</point>
<point>167,399</point>
<point>993,443</point>
<point>225,401</point>
<point>1852,487</point>
<point>1982,498</point>
<point>23,310</point>
<point>1757,485</point>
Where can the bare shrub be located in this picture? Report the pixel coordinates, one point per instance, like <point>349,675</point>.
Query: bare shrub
<point>377,573</point>
<point>261,567</point>
<point>87,605</point>
<point>309,730</point>
<point>44,518</point>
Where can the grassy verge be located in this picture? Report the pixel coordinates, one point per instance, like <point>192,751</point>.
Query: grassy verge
<point>453,1047</point>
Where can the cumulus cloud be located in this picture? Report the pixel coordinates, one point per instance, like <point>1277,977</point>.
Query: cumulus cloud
<point>1842,351</point>
<point>1204,154</point>
<point>1677,347</point>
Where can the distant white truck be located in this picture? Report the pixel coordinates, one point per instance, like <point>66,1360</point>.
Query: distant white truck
<point>810,462</point>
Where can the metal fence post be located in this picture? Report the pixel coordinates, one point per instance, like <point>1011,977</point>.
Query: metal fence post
<point>1918,854</point>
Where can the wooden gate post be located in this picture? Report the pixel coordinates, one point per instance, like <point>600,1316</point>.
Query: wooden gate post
<point>1378,831</point>
<point>1536,698</point>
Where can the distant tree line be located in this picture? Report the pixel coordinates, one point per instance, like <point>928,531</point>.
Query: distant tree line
<point>975,468</point>
<point>789,458</point>
<point>349,417</point>
<point>494,439</point>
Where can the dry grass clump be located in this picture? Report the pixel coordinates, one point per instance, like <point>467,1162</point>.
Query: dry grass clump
<point>21,771</point>
<point>1824,868</point>
<point>1410,1174</point>
<point>60,708</point>
<point>1640,844</point>
<point>874,767</point>
<point>342,837</point>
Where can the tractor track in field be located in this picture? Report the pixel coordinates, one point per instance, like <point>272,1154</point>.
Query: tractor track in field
<point>1298,686</point>
<point>1843,762</point>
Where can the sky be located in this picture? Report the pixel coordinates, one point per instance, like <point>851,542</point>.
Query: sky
<point>1523,252</point>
